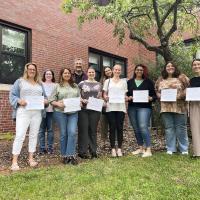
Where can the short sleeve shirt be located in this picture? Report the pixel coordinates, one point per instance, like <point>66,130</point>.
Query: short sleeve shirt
<point>122,85</point>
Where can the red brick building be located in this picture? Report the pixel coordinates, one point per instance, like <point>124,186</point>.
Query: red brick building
<point>40,32</point>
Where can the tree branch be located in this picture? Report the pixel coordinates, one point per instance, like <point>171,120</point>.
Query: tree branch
<point>142,41</point>
<point>157,18</point>
<point>189,12</point>
<point>176,3</point>
<point>174,26</point>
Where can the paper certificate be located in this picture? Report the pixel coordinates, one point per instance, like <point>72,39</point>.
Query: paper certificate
<point>34,102</point>
<point>193,94</point>
<point>140,96</point>
<point>95,104</point>
<point>168,95</point>
<point>72,104</point>
<point>116,95</point>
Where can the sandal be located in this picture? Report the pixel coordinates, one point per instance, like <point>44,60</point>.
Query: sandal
<point>14,167</point>
<point>32,163</point>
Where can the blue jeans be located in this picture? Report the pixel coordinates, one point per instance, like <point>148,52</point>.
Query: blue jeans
<point>175,129</point>
<point>139,119</point>
<point>46,124</point>
<point>67,124</point>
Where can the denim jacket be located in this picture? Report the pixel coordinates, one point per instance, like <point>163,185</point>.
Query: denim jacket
<point>14,96</point>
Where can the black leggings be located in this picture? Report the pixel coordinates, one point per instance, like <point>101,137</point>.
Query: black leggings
<point>116,122</point>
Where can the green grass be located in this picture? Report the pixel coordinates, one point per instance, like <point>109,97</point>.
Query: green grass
<point>6,136</point>
<point>159,177</point>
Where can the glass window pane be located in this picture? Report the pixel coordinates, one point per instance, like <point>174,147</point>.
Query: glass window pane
<point>94,62</point>
<point>11,68</point>
<point>13,41</point>
<point>106,62</point>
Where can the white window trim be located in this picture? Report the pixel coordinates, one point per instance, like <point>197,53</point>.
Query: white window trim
<point>5,87</point>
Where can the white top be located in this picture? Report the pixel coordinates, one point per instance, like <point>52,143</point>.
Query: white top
<point>49,87</point>
<point>28,89</point>
<point>122,85</point>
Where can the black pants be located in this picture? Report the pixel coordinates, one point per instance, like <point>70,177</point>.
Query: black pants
<point>116,122</point>
<point>87,130</point>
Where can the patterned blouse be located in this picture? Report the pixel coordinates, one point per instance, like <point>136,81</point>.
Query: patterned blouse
<point>180,83</point>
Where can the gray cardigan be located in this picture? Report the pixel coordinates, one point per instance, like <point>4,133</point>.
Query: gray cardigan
<point>14,96</point>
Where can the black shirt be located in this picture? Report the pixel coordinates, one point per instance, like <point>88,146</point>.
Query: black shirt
<point>195,82</point>
<point>147,84</point>
<point>78,78</point>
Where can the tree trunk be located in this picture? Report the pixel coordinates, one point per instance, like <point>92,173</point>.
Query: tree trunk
<point>167,55</point>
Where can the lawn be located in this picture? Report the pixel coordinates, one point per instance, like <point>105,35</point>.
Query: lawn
<point>159,177</point>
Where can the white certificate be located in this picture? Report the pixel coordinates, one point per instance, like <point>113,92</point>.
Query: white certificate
<point>95,104</point>
<point>34,102</point>
<point>193,94</point>
<point>72,104</point>
<point>168,95</point>
<point>116,95</point>
<point>140,96</point>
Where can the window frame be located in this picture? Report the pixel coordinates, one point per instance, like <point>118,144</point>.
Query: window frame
<point>109,55</point>
<point>28,43</point>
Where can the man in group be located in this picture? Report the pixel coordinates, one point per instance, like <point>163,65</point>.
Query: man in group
<point>79,75</point>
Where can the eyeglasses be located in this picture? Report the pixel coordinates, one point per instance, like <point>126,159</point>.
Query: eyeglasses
<point>33,70</point>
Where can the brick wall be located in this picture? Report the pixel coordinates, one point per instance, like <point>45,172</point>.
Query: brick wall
<point>57,40</point>
<point>6,123</point>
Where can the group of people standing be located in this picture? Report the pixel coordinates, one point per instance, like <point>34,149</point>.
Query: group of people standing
<point>84,85</point>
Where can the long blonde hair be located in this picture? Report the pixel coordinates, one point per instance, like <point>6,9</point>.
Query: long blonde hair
<point>37,76</point>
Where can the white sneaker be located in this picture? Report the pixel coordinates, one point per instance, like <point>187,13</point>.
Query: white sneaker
<point>169,152</point>
<point>15,167</point>
<point>146,154</point>
<point>113,153</point>
<point>184,153</point>
<point>119,152</point>
<point>138,151</point>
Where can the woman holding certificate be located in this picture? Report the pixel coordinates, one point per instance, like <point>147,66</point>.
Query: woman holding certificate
<point>88,119</point>
<point>27,100</point>
<point>115,94</point>
<point>48,81</point>
<point>170,89</point>
<point>66,119</point>
<point>141,93</point>
<point>195,110</point>
<point>104,119</point>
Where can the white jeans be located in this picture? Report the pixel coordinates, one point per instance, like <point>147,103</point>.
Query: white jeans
<point>24,119</point>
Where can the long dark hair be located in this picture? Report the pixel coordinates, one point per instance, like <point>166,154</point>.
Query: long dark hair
<point>104,73</point>
<point>176,73</point>
<point>145,72</point>
<point>71,81</point>
<point>53,77</point>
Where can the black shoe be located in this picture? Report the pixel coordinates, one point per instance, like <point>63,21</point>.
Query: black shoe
<point>94,155</point>
<point>73,161</point>
<point>83,156</point>
<point>50,151</point>
<point>42,151</point>
<point>65,160</point>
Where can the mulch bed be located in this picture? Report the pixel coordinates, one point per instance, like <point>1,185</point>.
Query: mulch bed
<point>55,159</point>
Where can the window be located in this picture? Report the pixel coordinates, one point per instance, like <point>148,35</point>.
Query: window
<point>14,51</point>
<point>100,60</point>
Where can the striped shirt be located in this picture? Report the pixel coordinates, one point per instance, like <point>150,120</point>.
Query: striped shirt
<point>28,89</point>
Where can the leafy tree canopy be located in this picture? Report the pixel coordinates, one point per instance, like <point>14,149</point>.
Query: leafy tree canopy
<point>156,24</point>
